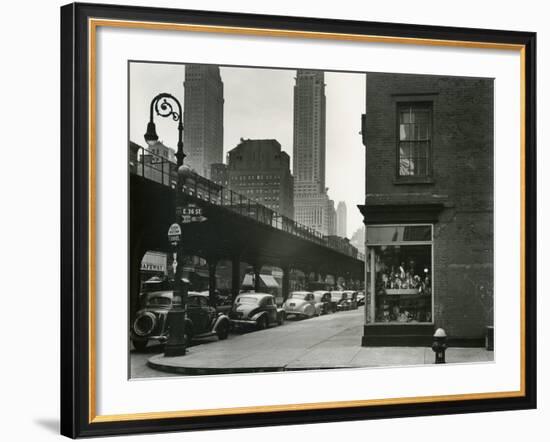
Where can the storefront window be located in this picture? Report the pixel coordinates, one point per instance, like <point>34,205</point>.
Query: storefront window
<point>400,273</point>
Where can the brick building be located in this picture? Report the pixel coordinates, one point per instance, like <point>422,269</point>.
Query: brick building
<point>429,208</point>
<point>219,174</point>
<point>156,162</point>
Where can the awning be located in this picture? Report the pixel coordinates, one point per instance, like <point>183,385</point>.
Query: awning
<point>154,279</point>
<point>267,281</point>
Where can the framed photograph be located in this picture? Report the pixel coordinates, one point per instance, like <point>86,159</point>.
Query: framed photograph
<point>274,220</point>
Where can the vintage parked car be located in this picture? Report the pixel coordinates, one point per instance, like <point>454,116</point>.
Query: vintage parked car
<point>201,319</point>
<point>352,299</point>
<point>340,300</point>
<point>223,301</point>
<point>302,304</point>
<point>325,299</point>
<point>360,298</point>
<point>256,309</point>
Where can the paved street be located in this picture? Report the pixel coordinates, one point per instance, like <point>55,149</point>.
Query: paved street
<point>331,341</point>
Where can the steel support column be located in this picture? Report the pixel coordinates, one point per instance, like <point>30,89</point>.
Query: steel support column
<point>212,294</point>
<point>286,281</point>
<point>235,276</point>
<point>136,255</point>
<point>257,268</point>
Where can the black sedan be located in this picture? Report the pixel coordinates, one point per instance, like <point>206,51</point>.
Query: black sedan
<point>258,310</point>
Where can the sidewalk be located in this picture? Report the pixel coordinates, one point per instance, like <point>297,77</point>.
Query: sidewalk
<point>331,341</point>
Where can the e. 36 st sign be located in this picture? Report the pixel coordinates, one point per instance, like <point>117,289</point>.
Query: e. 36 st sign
<point>190,213</point>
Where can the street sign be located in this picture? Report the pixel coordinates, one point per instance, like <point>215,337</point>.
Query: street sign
<point>174,234</point>
<point>190,213</point>
<point>186,219</point>
<point>189,210</point>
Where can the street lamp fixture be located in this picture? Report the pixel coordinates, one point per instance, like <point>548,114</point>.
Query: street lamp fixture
<point>151,136</point>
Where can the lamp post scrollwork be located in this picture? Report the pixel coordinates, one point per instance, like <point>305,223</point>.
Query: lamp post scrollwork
<point>163,106</point>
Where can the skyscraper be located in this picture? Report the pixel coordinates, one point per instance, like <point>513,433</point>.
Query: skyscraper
<point>341,219</point>
<point>309,132</point>
<point>203,117</point>
<point>312,206</point>
<point>358,239</point>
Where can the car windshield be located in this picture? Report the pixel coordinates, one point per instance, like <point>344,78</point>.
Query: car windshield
<point>156,301</point>
<point>194,301</point>
<point>247,300</point>
<point>298,295</point>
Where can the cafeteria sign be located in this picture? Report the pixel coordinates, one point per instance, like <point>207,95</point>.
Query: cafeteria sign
<point>191,213</point>
<point>174,234</point>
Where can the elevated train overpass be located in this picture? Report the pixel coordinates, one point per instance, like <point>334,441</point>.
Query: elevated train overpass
<point>236,229</point>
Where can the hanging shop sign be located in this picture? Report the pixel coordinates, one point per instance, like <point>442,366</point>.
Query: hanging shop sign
<point>174,234</point>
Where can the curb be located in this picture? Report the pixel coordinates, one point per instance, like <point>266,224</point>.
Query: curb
<point>198,371</point>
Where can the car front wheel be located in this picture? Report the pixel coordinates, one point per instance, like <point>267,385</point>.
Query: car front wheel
<point>223,330</point>
<point>261,323</point>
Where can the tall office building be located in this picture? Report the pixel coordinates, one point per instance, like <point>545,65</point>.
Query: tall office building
<point>309,132</point>
<point>312,205</point>
<point>260,170</point>
<point>358,239</point>
<point>341,219</point>
<point>203,117</point>
<point>331,218</point>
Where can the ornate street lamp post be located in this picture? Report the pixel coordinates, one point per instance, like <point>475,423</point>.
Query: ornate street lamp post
<point>163,105</point>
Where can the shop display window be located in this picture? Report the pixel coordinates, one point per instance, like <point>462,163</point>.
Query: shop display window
<point>400,273</point>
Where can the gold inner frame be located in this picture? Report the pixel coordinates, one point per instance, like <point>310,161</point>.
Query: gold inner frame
<point>93,24</point>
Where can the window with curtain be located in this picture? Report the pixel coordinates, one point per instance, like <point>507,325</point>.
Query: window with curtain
<point>415,138</point>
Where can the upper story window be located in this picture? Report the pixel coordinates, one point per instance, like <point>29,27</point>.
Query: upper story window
<point>415,139</point>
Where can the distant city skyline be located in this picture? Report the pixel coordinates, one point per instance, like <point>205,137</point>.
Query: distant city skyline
<point>258,104</point>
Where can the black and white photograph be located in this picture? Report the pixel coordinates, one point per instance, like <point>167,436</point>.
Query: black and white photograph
<point>300,219</point>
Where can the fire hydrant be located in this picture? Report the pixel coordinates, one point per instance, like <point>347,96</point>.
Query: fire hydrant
<point>439,345</point>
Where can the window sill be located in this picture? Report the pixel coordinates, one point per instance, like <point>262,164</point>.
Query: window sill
<point>411,180</point>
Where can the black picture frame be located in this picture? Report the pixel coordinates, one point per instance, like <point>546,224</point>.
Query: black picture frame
<point>76,249</point>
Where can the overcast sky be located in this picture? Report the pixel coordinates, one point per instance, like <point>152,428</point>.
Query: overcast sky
<point>259,104</point>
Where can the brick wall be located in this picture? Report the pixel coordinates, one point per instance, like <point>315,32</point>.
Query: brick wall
<point>462,177</point>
